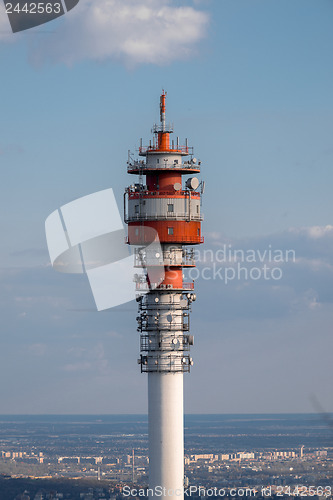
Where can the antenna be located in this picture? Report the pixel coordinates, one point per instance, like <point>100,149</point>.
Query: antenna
<point>162,110</point>
<point>133,475</point>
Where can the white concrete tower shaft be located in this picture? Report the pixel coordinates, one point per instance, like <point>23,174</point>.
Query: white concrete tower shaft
<point>166,432</point>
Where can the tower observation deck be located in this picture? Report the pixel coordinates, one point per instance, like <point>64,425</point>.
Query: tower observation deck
<point>163,201</point>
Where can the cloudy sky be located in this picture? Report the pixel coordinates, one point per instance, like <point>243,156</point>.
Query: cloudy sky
<point>250,84</point>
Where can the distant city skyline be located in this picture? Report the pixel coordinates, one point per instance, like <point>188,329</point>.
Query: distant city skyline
<point>220,451</point>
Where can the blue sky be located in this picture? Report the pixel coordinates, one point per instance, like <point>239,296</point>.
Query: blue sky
<point>250,84</point>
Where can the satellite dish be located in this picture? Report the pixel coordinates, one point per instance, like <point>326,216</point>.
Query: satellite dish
<point>169,318</point>
<point>194,160</point>
<point>192,183</point>
<point>157,299</point>
<point>177,186</point>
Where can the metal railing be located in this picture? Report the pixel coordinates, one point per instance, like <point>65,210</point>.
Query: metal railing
<point>138,166</point>
<point>151,342</point>
<point>168,127</point>
<point>165,363</point>
<point>170,306</point>
<point>132,195</point>
<point>183,327</point>
<point>165,216</point>
<point>142,262</point>
<point>155,286</point>
<point>186,240</point>
<point>181,149</point>
<point>141,259</point>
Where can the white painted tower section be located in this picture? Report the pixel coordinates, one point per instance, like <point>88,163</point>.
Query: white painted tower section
<point>166,434</point>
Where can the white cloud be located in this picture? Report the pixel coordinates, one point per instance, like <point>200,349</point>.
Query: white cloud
<point>131,31</point>
<point>94,360</point>
<point>314,264</point>
<point>77,352</point>
<point>314,232</point>
<point>76,367</point>
<point>312,242</point>
<point>37,349</point>
<point>304,284</point>
<point>113,335</point>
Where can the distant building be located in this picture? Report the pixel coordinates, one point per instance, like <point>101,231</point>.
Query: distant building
<point>205,456</point>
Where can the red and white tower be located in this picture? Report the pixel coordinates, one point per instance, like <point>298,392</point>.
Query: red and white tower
<point>170,206</point>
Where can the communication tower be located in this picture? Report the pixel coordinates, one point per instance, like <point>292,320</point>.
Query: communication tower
<point>163,201</point>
